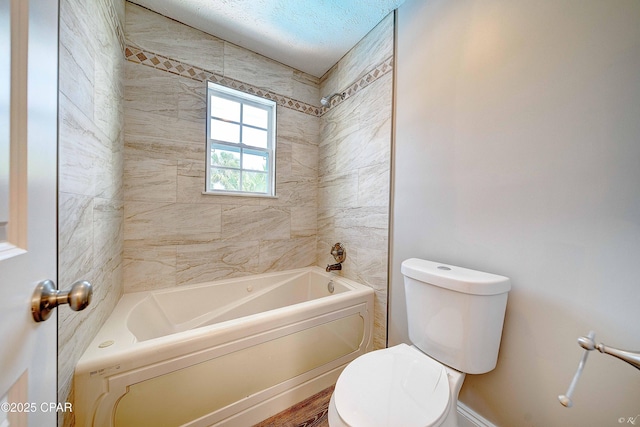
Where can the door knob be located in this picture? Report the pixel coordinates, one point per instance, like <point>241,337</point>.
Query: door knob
<point>46,297</point>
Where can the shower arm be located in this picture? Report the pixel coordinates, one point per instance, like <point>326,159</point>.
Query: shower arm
<point>326,100</point>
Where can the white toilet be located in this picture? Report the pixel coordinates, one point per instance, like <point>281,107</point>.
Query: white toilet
<point>455,318</point>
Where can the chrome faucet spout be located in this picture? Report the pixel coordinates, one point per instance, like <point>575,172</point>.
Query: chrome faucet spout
<point>332,267</point>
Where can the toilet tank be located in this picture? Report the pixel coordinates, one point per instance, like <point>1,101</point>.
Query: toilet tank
<point>455,315</point>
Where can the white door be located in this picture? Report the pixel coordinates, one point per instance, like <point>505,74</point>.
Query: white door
<point>28,253</point>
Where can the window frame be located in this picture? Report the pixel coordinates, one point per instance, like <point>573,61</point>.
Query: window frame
<point>214,89</point>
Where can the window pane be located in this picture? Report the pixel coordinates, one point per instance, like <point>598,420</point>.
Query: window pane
<point>255,116</point>
<point>253,160</point>
<point>255,182</point>
<point>225,109</point>
<point>223,131</point>
<point>254,137</point>
<point>225,179</point>
<point>227,157</point>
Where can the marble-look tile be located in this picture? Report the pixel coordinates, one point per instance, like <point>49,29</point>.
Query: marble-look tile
<point>371,143</point>
<point>304,221</point>
<point>340,128</point>
<point>91,147</point>
<point>246,66</point>
<point>77,64</point>
<point>372,267</point>
<point>327,157</point>
<point>148,135</point>
<point>79,143</point>
<point>149,267</point>
<point>247,223</point>
<point>66,393</point>
<point>380,320</point>
<point>306,88</point>
<point>109,169</point>
<point>75,237</point>
<point>108,91</point>
<point>105,40</point>
<point>192,99</point>
<point>119,7</point>
<point>151,90</point>
<point>283,157</point>
<point>108,220</point>
<point>278,255</point>
<point>364,227</point>
<point>326,219</point>
<point>148,30</point>
<point>76,26</point>
<point>148,179</point>
<point>294,191</point>
<point>296,126</point>
<point>304,160</point>
<point>330,82</point>
<point>214,261</point>
<point>374,185</point>
<point>354,169</point>
<point>373,49</point>
<point>73,328</point>
<point>338,190</point>
<point>149,223</point>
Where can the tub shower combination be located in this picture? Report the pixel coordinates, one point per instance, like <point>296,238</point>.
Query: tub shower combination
<point>225,353</point>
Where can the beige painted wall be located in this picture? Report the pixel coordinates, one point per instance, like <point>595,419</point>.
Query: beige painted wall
<point>90,212</point>
<point>354,168</point>
<point>517,153</point>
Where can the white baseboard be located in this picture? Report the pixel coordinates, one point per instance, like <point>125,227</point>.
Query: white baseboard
<point>469,418</point>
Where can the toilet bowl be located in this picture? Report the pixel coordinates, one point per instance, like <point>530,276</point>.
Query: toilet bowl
<point>455,318</point>
<point>397,386</point>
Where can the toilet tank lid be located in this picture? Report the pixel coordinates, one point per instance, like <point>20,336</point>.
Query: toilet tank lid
<point>455,278</point>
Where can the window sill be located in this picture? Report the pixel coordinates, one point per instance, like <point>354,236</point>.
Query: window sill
<point>231,193</point>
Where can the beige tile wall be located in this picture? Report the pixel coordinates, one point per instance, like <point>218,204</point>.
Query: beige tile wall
<point>354,166</point>
<point>175,235</point>
<point>333,171</point>
<point>91,149</point>
<point>132,166</point>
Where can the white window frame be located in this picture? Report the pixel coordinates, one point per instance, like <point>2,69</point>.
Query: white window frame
<point>270,150</point>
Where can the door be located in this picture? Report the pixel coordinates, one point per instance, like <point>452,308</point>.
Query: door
<point>28,158</point>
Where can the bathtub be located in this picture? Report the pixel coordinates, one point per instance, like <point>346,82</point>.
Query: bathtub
<point>223,353</point>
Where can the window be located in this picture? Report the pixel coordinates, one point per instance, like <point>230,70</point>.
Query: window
<point>241,144</point>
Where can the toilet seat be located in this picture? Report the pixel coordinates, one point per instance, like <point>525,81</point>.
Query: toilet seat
<point>397,386</point>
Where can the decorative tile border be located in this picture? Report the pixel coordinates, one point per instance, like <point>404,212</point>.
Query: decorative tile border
<point>378,71</point>
<point>173,66</point>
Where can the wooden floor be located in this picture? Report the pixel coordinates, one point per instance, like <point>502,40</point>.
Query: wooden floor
<point>311,412</point>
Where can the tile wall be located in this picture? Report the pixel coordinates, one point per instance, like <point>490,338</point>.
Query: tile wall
<point>91,153</point>
<point>132,213</point>
<point>175,235</point>
<point>333,165</point>
<point>354,165</point>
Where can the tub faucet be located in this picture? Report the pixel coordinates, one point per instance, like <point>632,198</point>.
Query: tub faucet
<point>339,254</point>
<point>331,267</point>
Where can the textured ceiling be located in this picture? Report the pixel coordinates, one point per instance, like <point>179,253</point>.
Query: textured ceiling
<point>309,35</point>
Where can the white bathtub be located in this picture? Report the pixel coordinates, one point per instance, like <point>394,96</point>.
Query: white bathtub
<point>226,353</point>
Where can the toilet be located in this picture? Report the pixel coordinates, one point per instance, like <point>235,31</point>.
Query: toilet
<point>455,317</point>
